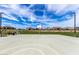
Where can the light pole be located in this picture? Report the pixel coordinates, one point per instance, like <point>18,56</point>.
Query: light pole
<point>1,24</point>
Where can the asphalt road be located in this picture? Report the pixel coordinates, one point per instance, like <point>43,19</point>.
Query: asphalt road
<point>39,45</point>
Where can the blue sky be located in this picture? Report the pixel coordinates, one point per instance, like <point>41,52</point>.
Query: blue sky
<point>39,15</point>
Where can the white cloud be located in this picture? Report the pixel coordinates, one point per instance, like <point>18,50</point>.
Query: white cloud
<point>70,22</point>
<point>59,8</point>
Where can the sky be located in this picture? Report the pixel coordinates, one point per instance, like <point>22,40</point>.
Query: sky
<point>39,15</point>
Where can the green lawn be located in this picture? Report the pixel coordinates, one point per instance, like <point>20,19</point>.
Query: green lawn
<point>60,33</point>
<point>44,32</point>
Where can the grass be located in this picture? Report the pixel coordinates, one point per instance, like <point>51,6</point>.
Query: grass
<point>60,33</point>
<point>42,32</point>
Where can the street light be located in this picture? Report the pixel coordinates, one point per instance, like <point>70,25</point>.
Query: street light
<point>1,23</point>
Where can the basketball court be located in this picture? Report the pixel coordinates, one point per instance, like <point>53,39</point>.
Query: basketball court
<point>39,45</point>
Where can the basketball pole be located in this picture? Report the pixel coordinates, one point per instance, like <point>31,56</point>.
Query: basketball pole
<point>1,24</point>
<point>75,23</point>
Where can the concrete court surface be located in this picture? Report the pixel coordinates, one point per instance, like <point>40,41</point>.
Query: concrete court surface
<point>39,45</point>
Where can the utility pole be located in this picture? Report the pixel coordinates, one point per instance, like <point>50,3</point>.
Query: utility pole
<point>1,24</point>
